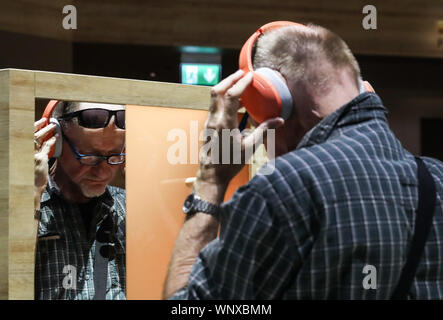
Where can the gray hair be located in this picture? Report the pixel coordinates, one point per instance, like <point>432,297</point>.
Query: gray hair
<point>64,107</point>
<point>296,52</point>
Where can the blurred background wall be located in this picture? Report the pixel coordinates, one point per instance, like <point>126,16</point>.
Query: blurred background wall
<point>402,58</point>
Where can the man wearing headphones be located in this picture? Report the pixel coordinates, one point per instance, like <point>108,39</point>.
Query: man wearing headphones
<point>336,217</point>
<point>80,250</point>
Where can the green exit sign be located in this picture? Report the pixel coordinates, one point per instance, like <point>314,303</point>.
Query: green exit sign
<point>202,74</point>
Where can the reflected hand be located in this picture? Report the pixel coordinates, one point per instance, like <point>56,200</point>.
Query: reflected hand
<point>41,152</point>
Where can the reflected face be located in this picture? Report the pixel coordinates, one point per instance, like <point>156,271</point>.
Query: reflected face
<point>92,180</point>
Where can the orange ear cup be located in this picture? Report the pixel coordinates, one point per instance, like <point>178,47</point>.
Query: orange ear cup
<point>48,114</point>
<point>261,100</point>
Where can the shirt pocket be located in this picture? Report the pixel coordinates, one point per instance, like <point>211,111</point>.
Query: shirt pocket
<point>50,263</point>
<point>49,236</point>
<point>49,243</point>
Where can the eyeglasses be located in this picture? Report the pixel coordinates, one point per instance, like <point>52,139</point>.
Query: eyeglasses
<point>97,118</point>
<point>93,159</point>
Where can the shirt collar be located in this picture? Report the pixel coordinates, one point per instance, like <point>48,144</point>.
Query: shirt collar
<point>52,189</point>
<point>364,107</point>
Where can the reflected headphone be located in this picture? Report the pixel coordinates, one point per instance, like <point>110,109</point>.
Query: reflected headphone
<point>268,95</point>
<point>56,150</point>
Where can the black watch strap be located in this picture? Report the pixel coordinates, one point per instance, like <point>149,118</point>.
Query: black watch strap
<point>194,204</point>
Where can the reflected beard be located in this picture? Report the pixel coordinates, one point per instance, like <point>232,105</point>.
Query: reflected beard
<point>92,192</point>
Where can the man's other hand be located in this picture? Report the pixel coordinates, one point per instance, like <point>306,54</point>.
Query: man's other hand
<point>41,152</point>
<point>222,119</point>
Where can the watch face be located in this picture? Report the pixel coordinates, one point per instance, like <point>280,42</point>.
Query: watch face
<point>187,206</point>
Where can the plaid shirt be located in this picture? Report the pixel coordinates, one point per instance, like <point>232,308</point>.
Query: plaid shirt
<point>343,200</point>
<point>65,254</point>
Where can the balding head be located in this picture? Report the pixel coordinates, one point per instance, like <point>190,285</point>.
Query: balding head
<point>321,73</point>
<point>309,54</point>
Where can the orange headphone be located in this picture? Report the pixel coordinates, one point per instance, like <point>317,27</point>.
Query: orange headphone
<point>268,96</point>
<point>56,150</point>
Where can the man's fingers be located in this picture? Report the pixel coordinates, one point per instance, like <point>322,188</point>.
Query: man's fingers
<point>41,134</point>
<point>47,145</point>
<point>272,123</point>
<point>237,89</point>
<point>259,133</point>
<point>226,83</point>
<point>39,124</point>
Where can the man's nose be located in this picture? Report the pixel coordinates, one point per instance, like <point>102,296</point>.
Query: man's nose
<point>103,168</point>
<point>111,123</point>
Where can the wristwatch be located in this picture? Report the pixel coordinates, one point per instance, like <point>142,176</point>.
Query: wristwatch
<point>194,204</point>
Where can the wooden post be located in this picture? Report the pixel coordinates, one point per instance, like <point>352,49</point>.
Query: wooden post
<point>4,183</point>
<point>18,229</point>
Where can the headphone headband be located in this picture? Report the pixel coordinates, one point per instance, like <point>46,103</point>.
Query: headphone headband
<point>49,110</point>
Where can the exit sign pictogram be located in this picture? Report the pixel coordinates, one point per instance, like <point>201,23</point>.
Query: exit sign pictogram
<point>201,74</point>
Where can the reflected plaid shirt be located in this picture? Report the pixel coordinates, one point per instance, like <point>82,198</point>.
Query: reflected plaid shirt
<point>65,254</point>
<point>344,199</point>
